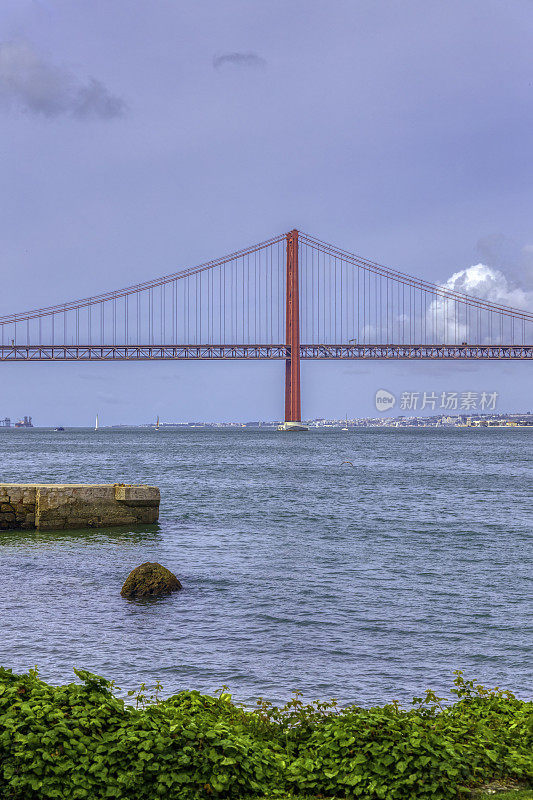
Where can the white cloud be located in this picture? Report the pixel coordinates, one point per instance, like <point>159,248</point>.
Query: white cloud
<point>489,284</point>
<point>448,319</point>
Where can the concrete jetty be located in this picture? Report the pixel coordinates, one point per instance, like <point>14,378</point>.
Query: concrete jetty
<point>57,506</point>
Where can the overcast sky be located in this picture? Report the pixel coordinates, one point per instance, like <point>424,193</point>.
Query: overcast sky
<point>141,137</point>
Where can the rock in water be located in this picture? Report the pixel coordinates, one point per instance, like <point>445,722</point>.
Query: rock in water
<point>150,580</point>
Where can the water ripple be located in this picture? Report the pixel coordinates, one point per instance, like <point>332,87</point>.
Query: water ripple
<point>365,584</point>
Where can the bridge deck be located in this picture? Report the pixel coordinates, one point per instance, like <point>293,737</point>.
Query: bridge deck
<point>227,352</point>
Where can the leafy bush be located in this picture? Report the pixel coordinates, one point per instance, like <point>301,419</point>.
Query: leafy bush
<point>427,752</point>
<point>80,741</point>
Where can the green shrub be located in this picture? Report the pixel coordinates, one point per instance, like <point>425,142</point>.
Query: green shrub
<point>378,753</point>
<point>80,741</point>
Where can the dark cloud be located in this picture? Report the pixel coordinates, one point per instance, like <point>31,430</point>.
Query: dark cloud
<point>498,250</point>
<point>93,100</point>
<point>502,252</point>
<point>239,60</point>
<point>31,83</point>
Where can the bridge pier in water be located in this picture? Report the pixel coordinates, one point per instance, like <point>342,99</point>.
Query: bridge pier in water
<point>293,413</point>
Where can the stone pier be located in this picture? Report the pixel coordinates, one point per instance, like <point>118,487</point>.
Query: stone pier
<point>57,506</point>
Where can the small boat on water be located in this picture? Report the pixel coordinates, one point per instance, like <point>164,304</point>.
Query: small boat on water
<point>156,427</point>
<point>346,427</point>
<point>96,423</point>
<point>59,428</point>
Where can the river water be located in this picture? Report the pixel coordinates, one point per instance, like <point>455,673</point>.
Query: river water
<point>368,583</point>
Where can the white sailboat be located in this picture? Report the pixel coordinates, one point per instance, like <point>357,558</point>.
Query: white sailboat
<point>96,423</point>
<point>346,426</point>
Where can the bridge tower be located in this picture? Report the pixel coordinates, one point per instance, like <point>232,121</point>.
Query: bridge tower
<point>293,414</point>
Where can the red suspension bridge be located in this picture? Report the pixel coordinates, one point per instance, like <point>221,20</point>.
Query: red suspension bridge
<point>291,297</point>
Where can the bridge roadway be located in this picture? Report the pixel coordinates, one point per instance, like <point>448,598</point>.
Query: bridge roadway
<point>234,352</point>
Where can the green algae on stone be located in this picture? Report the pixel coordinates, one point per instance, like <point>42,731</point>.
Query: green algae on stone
<point>150,580</point>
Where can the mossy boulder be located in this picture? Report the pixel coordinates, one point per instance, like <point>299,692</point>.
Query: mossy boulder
<point>150,580</point>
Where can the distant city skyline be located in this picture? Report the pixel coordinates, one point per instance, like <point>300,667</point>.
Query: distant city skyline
<point>72,394</point>
<point>22,421</point>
